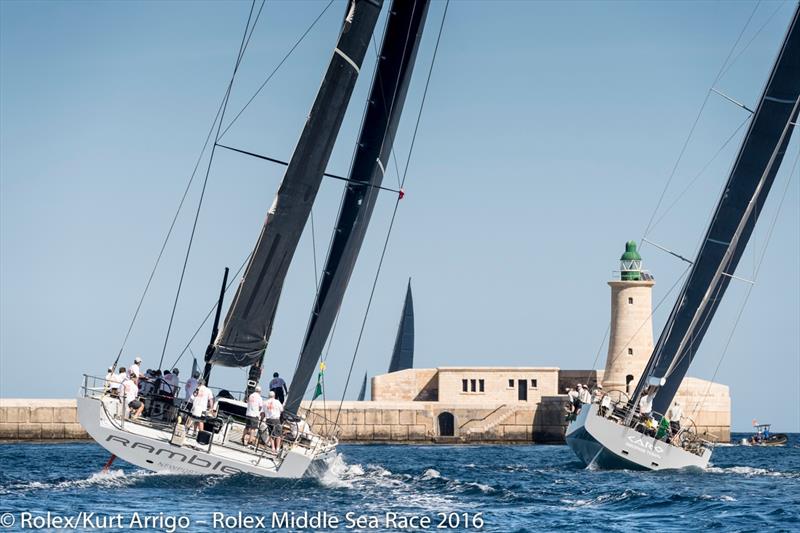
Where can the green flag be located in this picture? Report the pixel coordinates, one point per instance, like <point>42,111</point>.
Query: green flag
<point>320,381</point>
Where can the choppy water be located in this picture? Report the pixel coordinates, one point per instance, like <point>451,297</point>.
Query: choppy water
<point>516,488</point>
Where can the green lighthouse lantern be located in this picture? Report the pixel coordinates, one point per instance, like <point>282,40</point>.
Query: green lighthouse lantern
<point>630,264</point>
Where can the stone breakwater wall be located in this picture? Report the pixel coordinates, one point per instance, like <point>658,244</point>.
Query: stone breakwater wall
<point>395,422</point>
<point>366,422</point>
<point>25,419</point>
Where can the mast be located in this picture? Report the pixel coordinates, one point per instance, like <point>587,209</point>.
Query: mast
<point>387,96</point>
<point>403,354</point>
<point>245,333</point>
<point>733,222</point>
<point>214,330</point>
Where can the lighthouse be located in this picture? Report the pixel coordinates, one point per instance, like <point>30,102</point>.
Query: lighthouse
<point>630,340</point>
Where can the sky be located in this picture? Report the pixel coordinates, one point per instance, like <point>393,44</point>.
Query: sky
<point>549,131</point>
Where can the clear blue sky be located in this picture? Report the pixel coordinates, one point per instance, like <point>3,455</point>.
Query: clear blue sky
<point>549,132</point>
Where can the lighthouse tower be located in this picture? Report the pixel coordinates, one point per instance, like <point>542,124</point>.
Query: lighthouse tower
<point>630,340</point>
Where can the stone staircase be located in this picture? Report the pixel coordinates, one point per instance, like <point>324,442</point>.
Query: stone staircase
<point>492,421</point>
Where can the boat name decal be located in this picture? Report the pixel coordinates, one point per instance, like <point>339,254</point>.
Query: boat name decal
<point>193,460</point>
<point>653,449</point>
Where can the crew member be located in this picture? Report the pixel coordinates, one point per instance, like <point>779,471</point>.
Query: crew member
<point>278,386</point>
<point>645,405</point>
<point>584,394</point>
<point>116,381</point>
<point>135,369</point>
<point>109,378</point>
<point>255,403</point>
<point>674,415</point>
<point>203,401</point>
<point>191,386</point>
<point>272,412</point>
<point>130,394</point>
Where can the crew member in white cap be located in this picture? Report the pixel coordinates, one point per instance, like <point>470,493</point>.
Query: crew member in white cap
<point>254,404</point>
<point>134,369</point>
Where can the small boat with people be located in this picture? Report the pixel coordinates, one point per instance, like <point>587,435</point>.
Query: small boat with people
<point>763,436</point>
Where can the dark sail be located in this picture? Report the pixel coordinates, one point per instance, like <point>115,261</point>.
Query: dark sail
<point>244,336</point>
<point>363,392</point>
<point>403,354</point>
<point>735,217</point>
<point>387,96</point>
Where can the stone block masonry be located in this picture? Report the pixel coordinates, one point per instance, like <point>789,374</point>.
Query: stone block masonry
<point>28,419</point>
<point>412,422</point>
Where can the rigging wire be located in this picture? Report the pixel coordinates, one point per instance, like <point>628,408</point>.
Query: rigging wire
<point>753,38</point>
<point>213,307</point>
<point>242,48</point>
<point>697,176</point>
<point>275,70</point>
<point>394,212</point>
<point>700,403</point>
<point>177,213</point>
<point>694,126</point>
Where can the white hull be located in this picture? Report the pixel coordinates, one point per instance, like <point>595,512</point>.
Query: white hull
<point>150,448</point>
<point>604,443</point>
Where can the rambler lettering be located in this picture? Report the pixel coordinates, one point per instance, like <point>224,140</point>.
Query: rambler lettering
<point>172,455</point>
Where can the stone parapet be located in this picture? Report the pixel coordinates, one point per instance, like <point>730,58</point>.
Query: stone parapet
<point>37,419</point>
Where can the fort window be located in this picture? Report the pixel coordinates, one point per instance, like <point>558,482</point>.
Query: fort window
<point>628,380</point>
<point>630,351</point>
<point>630,300</point>
<point>481,385</point>
<point>534,384</point>
<point>472,385</point>
<point>464,385</point>
<point>510,383</point>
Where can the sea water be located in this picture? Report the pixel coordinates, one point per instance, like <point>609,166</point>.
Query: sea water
<point>388,487</point>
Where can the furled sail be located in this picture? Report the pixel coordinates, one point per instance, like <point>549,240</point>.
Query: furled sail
<point>363,392</point>
<point>735,217</point>
<point>245,333</point>
<point>387,96</point>
<point>403,354</point>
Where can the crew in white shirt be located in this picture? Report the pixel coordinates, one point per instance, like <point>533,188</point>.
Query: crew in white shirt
<point>191,386</point>
<point>584,394</point>
<point>645,405</point>
<point>134,369</point>
<point>203,401</point>
<point>109,377</point>
<point>116,381</point>
<point>130,394</point>
<point>272,412</point>
<point>674,416</point>
<point>254,405</point>
<point>174,381</point>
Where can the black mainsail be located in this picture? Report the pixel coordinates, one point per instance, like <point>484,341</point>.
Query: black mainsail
<point>245,333</point>
<point>733,222</point>
<point>387,96</point>
<point>403,354</point>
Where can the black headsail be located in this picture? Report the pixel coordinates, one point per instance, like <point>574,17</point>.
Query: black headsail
<point>387,96</point>
<point>403,354</point>
<point>244,336</point>
<point>735,217</point>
